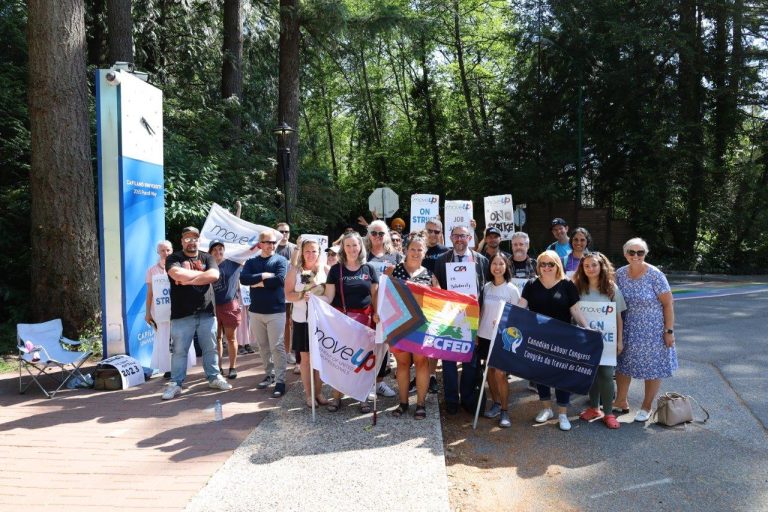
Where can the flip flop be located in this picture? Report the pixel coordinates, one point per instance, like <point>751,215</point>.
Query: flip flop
<point>320,399</point>
<point>334,404</point>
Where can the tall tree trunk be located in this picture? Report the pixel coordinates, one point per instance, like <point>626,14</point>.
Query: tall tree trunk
<point>383,175</point>
<point>231,67</point>
<point>437,170</point>
<point>459,44</point>
<point>328,116</point>
<point>119,31</point>
<point>65,280</point>
<point>288,89</point>
<point>691,134</point>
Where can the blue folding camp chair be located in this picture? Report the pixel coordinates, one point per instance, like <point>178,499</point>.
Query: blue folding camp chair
<point>43,355</point>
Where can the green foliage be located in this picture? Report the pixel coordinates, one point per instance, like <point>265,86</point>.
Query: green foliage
<point>14,172</point>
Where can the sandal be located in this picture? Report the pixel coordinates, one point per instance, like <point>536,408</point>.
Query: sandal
<point>334,404</point>
<point>400,410</point>
<point>589,414</point>
<point>421,412</point>
<point>610,421</point>
<point>309,404</point>
<point>320,399</point>
<point>365,407</point>
<point>232,373</point>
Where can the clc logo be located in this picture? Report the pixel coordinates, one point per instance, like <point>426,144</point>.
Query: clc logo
<point>460,268</point>
<point>512,339</point>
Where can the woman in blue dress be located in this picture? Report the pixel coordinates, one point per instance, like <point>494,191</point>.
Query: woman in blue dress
<point>649,338</point>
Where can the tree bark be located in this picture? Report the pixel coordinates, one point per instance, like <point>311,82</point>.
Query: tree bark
<point>65,281</point>
<point>119,31</point>
<point>691,132</point>
<point>231,68</point>
<point>288,90</point>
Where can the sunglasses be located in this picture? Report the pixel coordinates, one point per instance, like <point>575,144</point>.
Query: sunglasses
<point>547,264</point>
<point>377,233</point>
<point>395,239</point>
<point>270,242</point>
<point>189,240</point>
<point>433,231</point>
<point>283,232</point>
<point>633,252</point>
<point>459,237</point>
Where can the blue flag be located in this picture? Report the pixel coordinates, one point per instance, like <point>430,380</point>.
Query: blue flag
<point>547,351</point>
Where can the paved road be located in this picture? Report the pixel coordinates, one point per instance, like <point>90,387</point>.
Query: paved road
<point>722,465</point>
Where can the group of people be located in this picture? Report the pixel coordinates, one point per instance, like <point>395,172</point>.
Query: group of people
<point>552,284</point>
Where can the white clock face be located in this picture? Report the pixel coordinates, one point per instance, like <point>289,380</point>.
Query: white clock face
<point>141,109</point>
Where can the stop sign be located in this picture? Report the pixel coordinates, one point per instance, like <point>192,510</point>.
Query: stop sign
<point>384,202</point>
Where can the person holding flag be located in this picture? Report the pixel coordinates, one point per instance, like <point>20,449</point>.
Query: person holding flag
<point>596,281</point>
<point>351,287</point>
<point>495,294</point>
<point>553,295</point>
<point>412,270</point>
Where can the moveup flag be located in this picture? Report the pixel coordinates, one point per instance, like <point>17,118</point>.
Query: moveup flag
<point>342,350</point>
<point>539,348</point>
<point>428,321</point>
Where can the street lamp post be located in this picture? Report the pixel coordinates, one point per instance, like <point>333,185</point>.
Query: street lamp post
<point>284,132</point>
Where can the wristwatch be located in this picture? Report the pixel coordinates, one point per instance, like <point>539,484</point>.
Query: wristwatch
<point>669,331</point>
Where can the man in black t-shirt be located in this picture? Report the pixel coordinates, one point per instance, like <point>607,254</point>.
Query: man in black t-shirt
<point>434,228</point>
<point>191,273</point>
<point>523,266</point>
<point>492,241</point>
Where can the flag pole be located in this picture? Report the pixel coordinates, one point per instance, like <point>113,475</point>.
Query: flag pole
<point>487,363</point>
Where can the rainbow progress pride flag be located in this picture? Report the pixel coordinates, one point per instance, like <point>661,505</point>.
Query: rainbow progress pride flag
<point>429,321</point>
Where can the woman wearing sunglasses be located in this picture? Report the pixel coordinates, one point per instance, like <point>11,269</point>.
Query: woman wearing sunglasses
<point>649,337</point>
<point>553,295</point>
<point>596,282</point>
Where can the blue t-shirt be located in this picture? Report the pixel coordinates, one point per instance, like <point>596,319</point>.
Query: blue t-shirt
<point>562,250</point>
<point>225,289</point>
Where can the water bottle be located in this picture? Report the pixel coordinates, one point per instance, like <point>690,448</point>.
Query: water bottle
<point>218,414</point>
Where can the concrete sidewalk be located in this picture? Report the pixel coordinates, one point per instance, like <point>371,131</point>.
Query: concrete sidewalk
<point>341,462</point>
<point>89,450</point>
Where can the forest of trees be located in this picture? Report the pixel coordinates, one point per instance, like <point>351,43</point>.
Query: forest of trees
<point>655,110</point>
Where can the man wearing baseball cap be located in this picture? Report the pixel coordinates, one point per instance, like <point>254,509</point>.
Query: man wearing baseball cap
<point>191,273</point>
<point>492,240</point>
<point>561,245</point>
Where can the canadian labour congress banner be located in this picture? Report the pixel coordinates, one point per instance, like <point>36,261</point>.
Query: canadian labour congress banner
<point>547,351</point>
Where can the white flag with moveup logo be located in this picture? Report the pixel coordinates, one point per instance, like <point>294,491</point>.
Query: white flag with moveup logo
<point>343,350</point>
<point>238,235</point>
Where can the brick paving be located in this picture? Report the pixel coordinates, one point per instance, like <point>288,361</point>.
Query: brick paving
<point>88,450</point>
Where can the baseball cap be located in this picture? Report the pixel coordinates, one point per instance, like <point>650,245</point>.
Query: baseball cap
<point>190,229</point>
<point>214,243</point>
<point>334,249</point>
<point>557,221</point>
<point>492,231</point>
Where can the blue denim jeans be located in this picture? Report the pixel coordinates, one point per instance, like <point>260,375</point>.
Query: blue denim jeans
<point>182,332</point>
<point>562,397</point>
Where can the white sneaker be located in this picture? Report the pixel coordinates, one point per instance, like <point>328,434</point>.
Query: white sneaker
<point>382,389</point>
<point>172,390</point>
<point>564,423</point>
<point>220,383</point>
<point>642,416</point>
<point>544,415</point>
